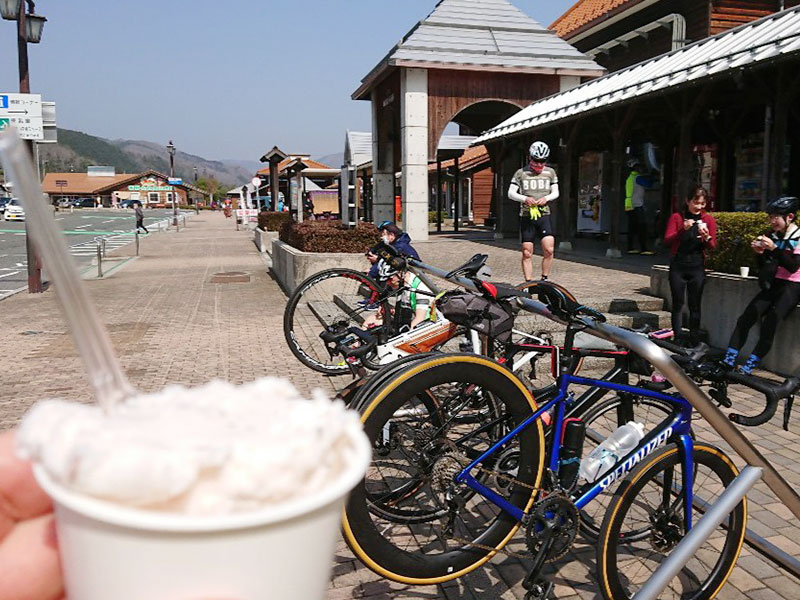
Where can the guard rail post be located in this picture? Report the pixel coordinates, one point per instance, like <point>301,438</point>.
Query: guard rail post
<point>137,242</point>
<point>99,260</point>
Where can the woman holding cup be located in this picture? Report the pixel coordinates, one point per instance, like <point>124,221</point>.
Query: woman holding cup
<point>779,280</point>
<point>690,232</point>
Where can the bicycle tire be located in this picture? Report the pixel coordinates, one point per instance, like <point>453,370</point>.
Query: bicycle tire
<point>601,419</point>
<point>709,568</point>
<point>394,558</point>
<point>302,334</point>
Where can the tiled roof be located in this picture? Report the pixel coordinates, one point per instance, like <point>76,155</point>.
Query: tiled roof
<point>490,35</point>
<point>583,13</point>
<point>311,164</point>
<point>472,157</point>
<point>79,183</point>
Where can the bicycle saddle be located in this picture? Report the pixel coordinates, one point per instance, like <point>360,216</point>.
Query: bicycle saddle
<point>561,302</point>
<point>470,268</point>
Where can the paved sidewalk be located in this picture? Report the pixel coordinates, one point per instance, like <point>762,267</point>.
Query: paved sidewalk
<point>171,324</point>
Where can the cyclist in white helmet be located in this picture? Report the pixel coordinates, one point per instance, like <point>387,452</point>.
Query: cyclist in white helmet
<point>534,187</point>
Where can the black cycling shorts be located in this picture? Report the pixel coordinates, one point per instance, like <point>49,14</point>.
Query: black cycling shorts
<point>531,230</point>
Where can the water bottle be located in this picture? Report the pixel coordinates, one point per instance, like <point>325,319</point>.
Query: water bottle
<point>614,447</point>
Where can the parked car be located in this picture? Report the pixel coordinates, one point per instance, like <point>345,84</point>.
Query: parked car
<point>129,203</point>
<point>64,203</point>
<point>3,201</point>
<point>14,211</point>
<point>84,203</point>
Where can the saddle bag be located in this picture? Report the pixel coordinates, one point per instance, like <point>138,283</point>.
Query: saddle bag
<point>492,318</point>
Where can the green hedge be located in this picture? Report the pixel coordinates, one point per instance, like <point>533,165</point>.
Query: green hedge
<point>329,236</point>
<point>735,231</point>
<point>273,221</point>
<point>432,216</point>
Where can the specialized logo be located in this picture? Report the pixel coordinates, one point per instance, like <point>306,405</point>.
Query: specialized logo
<point>634,460</point>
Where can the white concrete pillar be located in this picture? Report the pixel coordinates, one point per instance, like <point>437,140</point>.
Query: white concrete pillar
<point>414,166</point>
<point>382,166</point>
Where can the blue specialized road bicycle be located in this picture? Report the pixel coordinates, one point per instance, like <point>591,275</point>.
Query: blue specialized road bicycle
<point>462,461</point>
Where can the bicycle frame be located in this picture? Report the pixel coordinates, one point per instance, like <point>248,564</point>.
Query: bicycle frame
<point>677,426</point>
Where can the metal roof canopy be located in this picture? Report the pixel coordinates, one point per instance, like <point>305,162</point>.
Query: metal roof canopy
<point>358,148</point>
<point>772,37</point>
<point>453,146</point>
<point>476,35</point>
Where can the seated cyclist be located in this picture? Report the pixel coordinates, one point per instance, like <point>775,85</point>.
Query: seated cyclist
<point>780,290</point>
<point>394,236</point>
<point>413,306</point>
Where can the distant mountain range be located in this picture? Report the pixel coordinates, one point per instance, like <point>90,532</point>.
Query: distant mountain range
<point>76,150</point>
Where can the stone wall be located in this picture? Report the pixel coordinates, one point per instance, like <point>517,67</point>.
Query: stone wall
<point>291,266</point>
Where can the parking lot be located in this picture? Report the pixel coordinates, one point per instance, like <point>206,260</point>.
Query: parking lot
<point>82,227</point>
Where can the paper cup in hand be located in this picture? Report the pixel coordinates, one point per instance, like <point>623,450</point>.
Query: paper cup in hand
<point>744,271</point>
<point>218,492</point>
<point>111,551</point>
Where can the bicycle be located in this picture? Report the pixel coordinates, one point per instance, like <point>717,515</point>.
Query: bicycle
<point>457,490</point>
<point>325,316</point>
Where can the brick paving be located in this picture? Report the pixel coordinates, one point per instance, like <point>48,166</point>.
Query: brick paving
<point>170,324</point>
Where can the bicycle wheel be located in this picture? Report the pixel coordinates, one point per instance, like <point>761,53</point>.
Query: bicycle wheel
<point>652,496</point>
<point>601,421</point>
<point>332,299</point>
<point>408,520</point>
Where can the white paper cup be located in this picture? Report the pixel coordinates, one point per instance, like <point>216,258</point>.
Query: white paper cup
<point>109,551</point>
<point>744,271</point>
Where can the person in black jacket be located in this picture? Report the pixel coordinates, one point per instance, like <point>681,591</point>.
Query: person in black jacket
<point>779,280</point>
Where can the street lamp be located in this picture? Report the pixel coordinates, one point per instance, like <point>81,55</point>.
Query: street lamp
<point>171,150</point>
<point>29,31</point>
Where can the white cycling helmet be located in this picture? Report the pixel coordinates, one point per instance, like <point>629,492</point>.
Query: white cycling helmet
<point>385,270</point>
<point>539,151</point>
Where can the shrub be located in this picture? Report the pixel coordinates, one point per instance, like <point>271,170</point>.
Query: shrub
<point>272,221</point>
<point>329,236</point>
<point>432,216</point>
<point>735,231</point>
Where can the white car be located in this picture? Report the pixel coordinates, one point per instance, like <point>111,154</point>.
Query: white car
<point>14,211</point>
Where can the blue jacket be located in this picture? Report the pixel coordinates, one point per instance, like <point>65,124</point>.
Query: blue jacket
<point>402,245</point>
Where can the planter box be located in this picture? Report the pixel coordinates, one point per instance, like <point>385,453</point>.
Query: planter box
<point>291,266</point>
<point>725,297</point>
<point>263,239</point>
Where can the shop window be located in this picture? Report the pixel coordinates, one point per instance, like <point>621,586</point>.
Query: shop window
<point>152,197</point>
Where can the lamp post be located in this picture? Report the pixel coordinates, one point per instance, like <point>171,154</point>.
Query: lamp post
<point>29,30</point>
<point>196,199</point>
<point>171,150</point>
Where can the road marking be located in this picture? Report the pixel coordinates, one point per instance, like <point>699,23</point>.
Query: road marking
<point>9,274</point>
<point>81,226</point>
<point>20,265</point>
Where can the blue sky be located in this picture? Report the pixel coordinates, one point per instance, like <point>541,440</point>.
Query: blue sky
<point>201,72</point>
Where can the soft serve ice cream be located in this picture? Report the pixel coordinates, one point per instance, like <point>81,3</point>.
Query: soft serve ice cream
<point>213,450</point>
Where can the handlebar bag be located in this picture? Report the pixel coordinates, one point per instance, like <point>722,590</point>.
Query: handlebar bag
<point>492,318</point>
